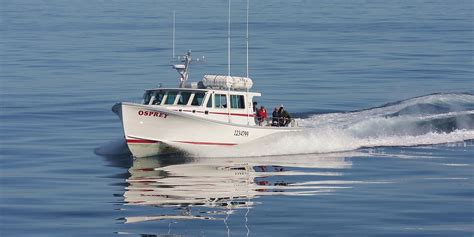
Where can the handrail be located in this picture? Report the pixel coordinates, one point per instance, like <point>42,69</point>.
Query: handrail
<point>278,122</point>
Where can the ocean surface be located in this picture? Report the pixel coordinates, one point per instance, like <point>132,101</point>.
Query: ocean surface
<point>385,90</point>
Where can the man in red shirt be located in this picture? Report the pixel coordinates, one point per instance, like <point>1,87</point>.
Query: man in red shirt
<point>262,115</point>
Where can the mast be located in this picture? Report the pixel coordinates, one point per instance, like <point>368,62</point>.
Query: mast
<point>228,62</point>
<point>174,30</point>
<point>247,38</point>
<point>228,42</point>
<point>247,75</point>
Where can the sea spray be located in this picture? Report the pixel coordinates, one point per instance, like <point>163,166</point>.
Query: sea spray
<point>113,148</point>
<point>426,120</point>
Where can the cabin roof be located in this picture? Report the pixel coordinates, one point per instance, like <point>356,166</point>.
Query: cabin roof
<point>176,89</point>
<point>202,90</point>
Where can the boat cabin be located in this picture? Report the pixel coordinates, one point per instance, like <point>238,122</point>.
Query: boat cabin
<point>231,106</point>
<point>216,97</point>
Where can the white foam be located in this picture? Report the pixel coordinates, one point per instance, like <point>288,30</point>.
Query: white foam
<point>326,141</point>
<point>113,148</point>
<point>375,127</point>
<point>456,165</point>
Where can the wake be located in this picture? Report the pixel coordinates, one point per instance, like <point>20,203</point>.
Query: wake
<point>425,120</point>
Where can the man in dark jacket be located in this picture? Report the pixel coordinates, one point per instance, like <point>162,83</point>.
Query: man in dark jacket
<point>285,117</point>
<point>275,117</point>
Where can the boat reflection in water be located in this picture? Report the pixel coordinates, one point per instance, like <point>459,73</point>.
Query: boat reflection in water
<point>220,186</point>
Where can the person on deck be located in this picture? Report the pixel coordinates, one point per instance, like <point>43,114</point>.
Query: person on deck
<point>275,117</point>
<point>255,107</point>
<point>262,115</point>
<point>285,117</point>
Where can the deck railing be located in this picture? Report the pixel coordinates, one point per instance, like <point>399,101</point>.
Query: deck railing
<point>278,122</point>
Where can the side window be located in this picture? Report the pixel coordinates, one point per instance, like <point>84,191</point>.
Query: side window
<point>237,102</point>
<point>158,98</point>
<point>198,99</point>
<point>170,98</point>
<point>220,101</point>
<point>146,98</point>
<point>184,98</point>
<point>209,101</point>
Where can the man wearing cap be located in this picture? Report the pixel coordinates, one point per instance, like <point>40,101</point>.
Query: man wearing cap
<point>285,117</point>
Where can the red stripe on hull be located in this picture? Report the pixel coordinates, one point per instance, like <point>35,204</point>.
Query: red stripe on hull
<point>219,113</point>
<point>208,143</point>
<point>141,141</point>
<point>232,114</point>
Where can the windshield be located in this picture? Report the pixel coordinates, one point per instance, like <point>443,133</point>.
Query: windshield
<point>198,98</point>
<point>184,98</point>
<point>158,97</point>
<point>171,97</point>
<point>146,97</point>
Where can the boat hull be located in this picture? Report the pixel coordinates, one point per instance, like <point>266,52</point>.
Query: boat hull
<point>153,130</point>
<point>146,148</point>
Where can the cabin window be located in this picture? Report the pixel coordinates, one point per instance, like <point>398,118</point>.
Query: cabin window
<point>171,97</point>
<point>184,98</point>
<point>198,99</point>
<point>158,98</point>
<point>146,98</point>
<point>209,101</point>
<point>237,102</point>
<point>220,101</point>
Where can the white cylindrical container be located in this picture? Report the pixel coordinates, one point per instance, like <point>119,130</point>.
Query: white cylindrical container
<point>227,82</point>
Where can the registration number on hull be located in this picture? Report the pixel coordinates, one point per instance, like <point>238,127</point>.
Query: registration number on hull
<point>241,133</point>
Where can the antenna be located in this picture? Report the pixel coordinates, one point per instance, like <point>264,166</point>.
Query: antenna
<point>247,38</point>
<point>174,29</point>
<point>247,91</point>
<point>228,43</point>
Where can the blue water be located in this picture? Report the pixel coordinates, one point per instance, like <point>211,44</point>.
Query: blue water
<point>385,89</point>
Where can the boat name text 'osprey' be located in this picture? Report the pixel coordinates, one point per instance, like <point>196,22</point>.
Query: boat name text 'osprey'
<point>152,114</point>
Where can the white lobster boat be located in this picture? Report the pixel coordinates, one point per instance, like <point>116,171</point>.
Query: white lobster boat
<point>216,111</point>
